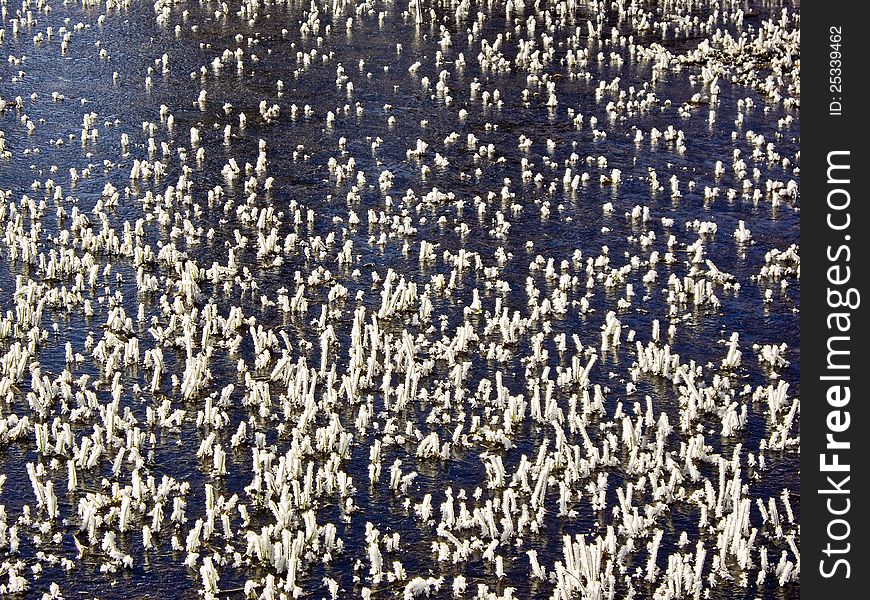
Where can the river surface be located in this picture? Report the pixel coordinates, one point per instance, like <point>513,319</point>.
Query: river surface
<point>110,77</point>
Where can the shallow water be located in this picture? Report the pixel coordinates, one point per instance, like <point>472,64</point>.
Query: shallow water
<point>133,41</point>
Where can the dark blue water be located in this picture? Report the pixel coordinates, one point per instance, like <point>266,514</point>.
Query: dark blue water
<point>557,220</point>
